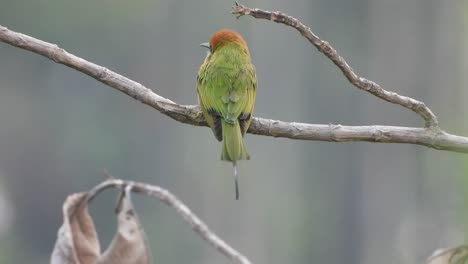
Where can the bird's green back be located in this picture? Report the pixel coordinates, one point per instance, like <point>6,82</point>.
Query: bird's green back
<point>226,86</point>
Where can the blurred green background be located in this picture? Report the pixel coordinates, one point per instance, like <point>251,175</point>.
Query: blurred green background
<point>301,202</point>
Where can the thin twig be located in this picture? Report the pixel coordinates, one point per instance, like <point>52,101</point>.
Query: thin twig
<point>323,46</point>
<point>198,226</point>
<point>190,114</point>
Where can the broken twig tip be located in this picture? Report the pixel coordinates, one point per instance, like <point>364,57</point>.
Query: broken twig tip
<point>238,10</point>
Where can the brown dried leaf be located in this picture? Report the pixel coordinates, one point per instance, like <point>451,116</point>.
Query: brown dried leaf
<point>129,245</point>
<point>456,255</point>
<point>77,241</point>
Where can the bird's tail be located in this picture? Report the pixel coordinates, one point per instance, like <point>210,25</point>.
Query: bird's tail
<point>233,148</point>
<point>236,179</point>
<point>233,144</point>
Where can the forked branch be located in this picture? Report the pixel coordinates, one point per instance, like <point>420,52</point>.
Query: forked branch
<point>430,136</point>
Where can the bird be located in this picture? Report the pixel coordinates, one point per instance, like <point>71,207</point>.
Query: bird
<point>226,89</point>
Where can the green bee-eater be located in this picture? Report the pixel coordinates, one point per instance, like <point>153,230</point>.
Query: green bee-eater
<point>226,93</point>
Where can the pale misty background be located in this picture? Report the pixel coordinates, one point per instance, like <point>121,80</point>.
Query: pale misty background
<point>301,202</point>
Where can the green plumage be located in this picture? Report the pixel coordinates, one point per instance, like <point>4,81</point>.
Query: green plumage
<point>226,93</point>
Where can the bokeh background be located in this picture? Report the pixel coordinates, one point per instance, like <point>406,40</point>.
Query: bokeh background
<point>301,202</point>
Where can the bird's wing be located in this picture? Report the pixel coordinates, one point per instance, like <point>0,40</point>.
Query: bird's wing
<point>245,86</point>
<point>212,87</point>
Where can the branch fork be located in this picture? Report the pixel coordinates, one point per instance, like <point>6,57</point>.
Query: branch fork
<point>324,47</point>
<point>431,135</point>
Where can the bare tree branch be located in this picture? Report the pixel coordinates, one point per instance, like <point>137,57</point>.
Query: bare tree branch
<point>431,136</point>
<point>323,46</point>
<point>189,114</point>
<point>198,226</point>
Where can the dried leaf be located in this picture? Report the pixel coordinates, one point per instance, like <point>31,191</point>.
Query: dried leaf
<point>129,245</point>
<point>77,241</point>
<point>456,255</point>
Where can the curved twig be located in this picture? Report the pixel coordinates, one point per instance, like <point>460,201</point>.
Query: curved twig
<point>198,226</point>
<point>323,46</point>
